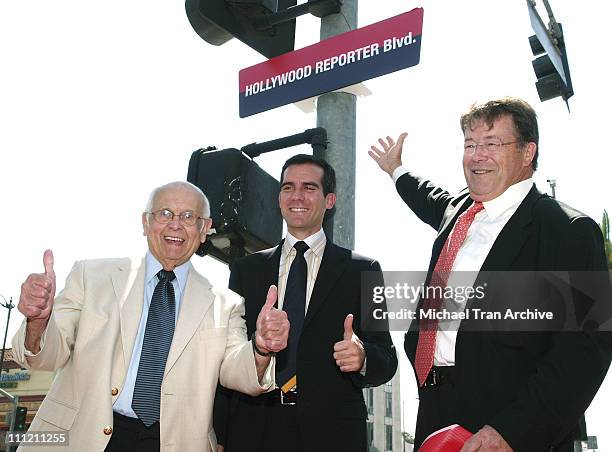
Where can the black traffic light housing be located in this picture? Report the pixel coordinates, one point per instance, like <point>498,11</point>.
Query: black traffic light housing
<point>21,413</point>
<point>550,82</point>
<point>551,65</point>
<point>218,21</point>
<point>243,203</point>
<point>243,197</point>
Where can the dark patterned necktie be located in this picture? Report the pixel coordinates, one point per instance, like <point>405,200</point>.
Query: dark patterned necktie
<point>155,347</point>
<point>294,304</point>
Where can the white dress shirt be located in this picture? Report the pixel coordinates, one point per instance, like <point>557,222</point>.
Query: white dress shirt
<point>313,256</point>
<point>123,404</point>
<point>481,235</point>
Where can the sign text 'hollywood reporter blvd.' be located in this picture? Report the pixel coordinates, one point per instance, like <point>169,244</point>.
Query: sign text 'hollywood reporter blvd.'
<point>343,60</point>
<point>328,64</point>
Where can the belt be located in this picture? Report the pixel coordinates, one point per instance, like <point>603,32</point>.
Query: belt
<point>131,424</point>
<point>278,397</point>
<point>440,375</point>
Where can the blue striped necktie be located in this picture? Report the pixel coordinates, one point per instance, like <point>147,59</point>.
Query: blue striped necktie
<point>155,347</point>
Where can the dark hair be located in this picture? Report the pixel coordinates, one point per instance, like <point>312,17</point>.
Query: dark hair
<point>522,114</point>
<point>329,175</point>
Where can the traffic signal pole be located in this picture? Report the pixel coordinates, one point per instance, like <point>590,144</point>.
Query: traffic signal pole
<point>336,112</point>
<point>217,21</point>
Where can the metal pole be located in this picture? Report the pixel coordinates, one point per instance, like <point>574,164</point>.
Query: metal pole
<point>553,184</point>
<point>403,429</point>
<point>549,11</point>
<point>553,25</point>
<point>336,112</point>
<point>13,399</point>
<point>317,138</point>
<point>8,305</point>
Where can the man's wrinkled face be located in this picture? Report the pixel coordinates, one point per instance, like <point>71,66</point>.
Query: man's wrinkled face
<point>174,243</point>
<point>498,160</point>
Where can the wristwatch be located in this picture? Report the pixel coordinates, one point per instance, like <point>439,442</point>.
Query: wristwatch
<point>256,350</point>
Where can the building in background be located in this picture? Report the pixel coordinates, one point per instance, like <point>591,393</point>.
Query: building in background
<point>30,387</point>
<point>385,417</point>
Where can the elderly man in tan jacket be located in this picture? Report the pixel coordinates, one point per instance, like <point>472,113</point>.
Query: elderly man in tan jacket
<point>140,345</point>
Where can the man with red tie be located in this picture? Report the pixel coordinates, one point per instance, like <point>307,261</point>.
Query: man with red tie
<point>524,391</point>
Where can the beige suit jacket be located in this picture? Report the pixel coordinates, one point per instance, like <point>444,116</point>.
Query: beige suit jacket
<point>90,337</point>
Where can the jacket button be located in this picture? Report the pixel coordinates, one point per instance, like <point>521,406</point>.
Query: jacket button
<point>114,391</point>
<point>108,430</point>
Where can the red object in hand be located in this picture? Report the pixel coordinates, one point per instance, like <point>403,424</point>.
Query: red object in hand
<point>447,439</point>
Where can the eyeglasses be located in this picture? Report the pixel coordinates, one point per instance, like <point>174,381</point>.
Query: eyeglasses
<point>491,147</point>
<point>165,216</point>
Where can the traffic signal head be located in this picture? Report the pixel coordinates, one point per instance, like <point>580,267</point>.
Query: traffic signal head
<point>551,65</point>
<point>551,82</point>
<point>243,202</point>
<point>21,413</point>
<point>218,21</point>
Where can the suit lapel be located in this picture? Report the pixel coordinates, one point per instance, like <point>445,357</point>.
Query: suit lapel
<point>267,276</point>
<point>509,242</point>
<point>196,301</point>
<point>270,271</point>
<point>128,284</point>
<point>333,264</point>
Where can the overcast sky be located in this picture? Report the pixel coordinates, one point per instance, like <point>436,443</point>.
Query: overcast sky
<point>100,102</point>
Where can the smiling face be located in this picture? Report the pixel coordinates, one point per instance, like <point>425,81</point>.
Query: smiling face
<point>489,174</point>
<point>302,201</point>
<point>173,244</point>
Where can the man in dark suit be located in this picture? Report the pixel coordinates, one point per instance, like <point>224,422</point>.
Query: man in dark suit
<point>319,404</point>
<point>527,390</point>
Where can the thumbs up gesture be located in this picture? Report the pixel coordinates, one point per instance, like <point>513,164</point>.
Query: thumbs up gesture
<point>272,325</point>
<point>349,353</point>
<point>38,292</point>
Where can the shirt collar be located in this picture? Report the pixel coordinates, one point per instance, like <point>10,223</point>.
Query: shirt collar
<point>316,243</point>
<point>152,267</point>
<point>510,199</point>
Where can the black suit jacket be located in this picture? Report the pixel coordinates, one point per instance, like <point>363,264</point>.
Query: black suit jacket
<point>532,387</point>
<point>327,397</point>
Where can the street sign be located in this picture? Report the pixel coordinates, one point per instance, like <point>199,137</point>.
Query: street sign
<point>337,62</point>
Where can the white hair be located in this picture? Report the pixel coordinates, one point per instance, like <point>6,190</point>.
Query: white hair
<point>184,185</point>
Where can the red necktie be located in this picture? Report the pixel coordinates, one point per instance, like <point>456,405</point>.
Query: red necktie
<point>428,328</point>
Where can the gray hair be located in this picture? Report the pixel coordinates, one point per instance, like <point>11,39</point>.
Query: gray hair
<point>184,185</point>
